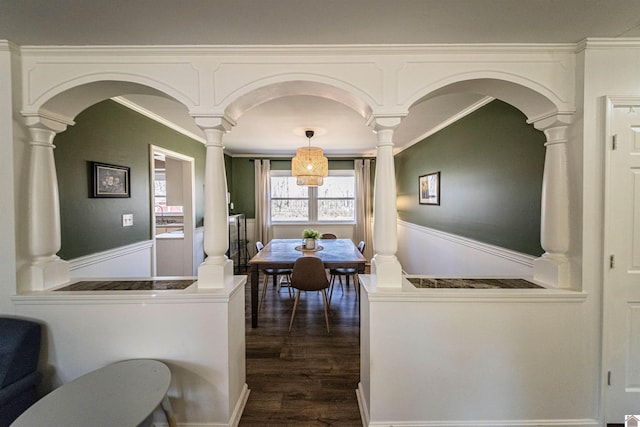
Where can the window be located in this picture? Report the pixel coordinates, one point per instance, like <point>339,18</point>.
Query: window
<point>332,202</point>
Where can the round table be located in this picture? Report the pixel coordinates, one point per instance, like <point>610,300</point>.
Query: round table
<point>122,394</point>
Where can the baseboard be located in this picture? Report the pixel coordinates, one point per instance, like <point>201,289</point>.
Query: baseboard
<point>364,416</point>
<point>362,405</point>
<point>491,423</point>
<point>235,416</point>
<point>240,404</point>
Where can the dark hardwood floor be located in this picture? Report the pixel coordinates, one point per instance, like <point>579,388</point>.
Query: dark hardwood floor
<point>308,377</point>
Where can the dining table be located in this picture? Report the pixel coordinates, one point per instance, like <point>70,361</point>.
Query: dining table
<point>283,253</point>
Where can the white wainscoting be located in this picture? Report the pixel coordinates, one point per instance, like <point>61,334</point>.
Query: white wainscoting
<point>422,250</point>
<point>475,357</point>
<point>133,260</point>
<point>84,331</point>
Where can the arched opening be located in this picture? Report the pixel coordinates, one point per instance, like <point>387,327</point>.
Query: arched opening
<point>550,210</point>
<point>107,235</point>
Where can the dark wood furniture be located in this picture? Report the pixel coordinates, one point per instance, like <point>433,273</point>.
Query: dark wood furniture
<point>282,253</point>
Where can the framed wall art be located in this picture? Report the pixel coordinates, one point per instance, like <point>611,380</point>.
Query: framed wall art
<point>110,180</point>
<point>429,189</point>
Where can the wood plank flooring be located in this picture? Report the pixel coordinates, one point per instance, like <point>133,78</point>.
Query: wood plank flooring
<point>308,377</point>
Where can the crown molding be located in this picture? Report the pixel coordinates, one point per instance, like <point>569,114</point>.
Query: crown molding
<point>608,43</point>
<point>298,50</point>
<point>462,113</point>
<point>7,46</point>
<point>153,116</point>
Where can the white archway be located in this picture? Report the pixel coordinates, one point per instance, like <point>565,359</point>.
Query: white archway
<point>552,115</point>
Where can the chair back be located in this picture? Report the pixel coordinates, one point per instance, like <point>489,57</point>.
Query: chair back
<point>361,247</point>
<point>328,236</point>
<point>259,245</point>
<point>309,274</point>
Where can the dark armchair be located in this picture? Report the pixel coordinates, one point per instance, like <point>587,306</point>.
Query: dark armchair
<point>19,376</point>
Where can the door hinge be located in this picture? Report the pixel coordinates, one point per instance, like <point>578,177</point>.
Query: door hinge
<point>612,261</point>
<point>608,377</point>
<point>614,142</point>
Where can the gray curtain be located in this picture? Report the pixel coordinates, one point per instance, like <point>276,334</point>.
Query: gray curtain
<point>263,212</point>
<point>364,228</point>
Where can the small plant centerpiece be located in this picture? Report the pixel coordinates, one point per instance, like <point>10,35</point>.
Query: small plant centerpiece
<point>309,236</point>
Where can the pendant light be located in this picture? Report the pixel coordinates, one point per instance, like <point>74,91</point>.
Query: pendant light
<point>309,165</point>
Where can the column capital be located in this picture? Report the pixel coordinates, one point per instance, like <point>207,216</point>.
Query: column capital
<point>206,122</point>
<point>385,122</point>
<point>552,120</point>
<point>45,120</point>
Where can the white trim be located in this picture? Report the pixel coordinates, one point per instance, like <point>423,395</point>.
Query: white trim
<point>451,120</point>
<point>507,254</point>
<point>100,257</point>
<point>587,422</point>
<point>153,116</point>
<point>308,50</point>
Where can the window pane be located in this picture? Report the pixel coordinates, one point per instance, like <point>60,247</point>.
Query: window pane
<point>336,210</point>
<point>285,187</point>
<point>338,186</point>
<point>289,210</point>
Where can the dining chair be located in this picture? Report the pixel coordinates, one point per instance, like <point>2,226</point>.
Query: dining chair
<point>309,275</point>
<point>327,236</point>
<point>346,272</point>
<point>274,273</point>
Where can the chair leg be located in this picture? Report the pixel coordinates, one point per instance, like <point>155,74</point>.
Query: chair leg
<point>289,287</point>
<point>332,281</point>
<point>326,309</point>
<point>293,314</point>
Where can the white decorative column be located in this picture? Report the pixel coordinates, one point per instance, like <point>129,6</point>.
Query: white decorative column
<point>46,269</point>
<point>552,268</point>
<point>217,269</point>
<point>385,266</point>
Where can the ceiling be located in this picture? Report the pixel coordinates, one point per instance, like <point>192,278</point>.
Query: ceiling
<point>277,127</point>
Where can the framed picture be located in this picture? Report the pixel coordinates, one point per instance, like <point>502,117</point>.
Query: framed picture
<point>429,189</point>
<point>110,180</point>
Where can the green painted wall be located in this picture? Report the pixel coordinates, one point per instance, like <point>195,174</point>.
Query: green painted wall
<point>491,165</point>
<point>111,133</point>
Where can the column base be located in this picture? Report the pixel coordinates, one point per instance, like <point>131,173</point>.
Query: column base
<point>212,274</point>
<point>386,271</point>
<point>552,270</point>
<point>43,275</point>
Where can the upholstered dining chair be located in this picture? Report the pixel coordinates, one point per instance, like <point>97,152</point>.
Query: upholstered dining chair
<point>309,275</point>
<point>328,236</point>
<point>274,273</point>
<point>346,272</point>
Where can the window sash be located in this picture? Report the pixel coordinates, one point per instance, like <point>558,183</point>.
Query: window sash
<point>315,201</point>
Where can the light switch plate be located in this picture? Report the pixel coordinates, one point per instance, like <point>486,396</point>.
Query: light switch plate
<point>127,220</point>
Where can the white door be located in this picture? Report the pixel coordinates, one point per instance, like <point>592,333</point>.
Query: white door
<point>621,311</point>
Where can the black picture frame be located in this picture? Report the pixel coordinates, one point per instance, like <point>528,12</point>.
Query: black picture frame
<point>429,189</point>
<point>110,181</point>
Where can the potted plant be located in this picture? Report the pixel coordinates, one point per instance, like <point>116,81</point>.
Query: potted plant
<point>309,236</point>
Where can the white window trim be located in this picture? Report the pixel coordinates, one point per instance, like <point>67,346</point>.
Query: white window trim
<point>313,207</point>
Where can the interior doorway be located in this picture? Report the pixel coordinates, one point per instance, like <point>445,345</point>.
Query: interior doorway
<point>173,212</point>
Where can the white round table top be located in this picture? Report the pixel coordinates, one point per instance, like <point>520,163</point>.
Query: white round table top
<point>122,394</point>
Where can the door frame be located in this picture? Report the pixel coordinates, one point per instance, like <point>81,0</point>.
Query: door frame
<point>188,207</point>
<point>611,102</point>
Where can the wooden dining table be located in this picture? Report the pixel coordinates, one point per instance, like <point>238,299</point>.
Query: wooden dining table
<point>283,253</point>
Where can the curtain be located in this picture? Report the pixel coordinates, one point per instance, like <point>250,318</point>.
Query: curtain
<point>263,195</point>
<point>364,230</point>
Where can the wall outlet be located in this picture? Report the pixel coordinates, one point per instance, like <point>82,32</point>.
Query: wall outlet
<point>127,220</point>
